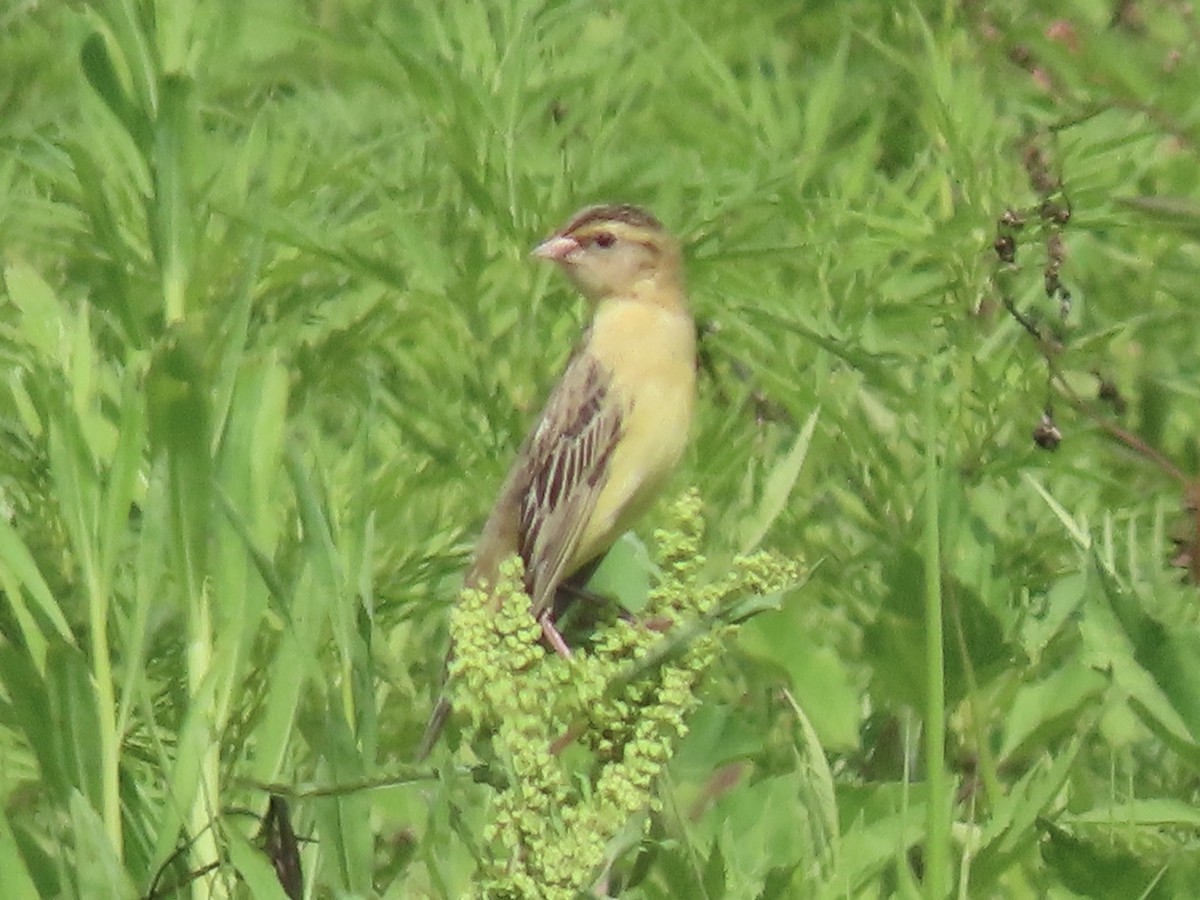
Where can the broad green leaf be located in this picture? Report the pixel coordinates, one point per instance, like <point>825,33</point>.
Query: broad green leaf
<point>17,879</point>
<point>819,679</point>
<point>777,488</point>
<point>254,868</point>
<point>1097,869</point>
<point>1182,213</point>
<point>346,838</point>
<point>624,574</point>
<point>21,578</point>
<point>102,76</point>
<point>43,318</point>
<point>1170,655</point>
<point>1042,713</point>
<point>98,871</point>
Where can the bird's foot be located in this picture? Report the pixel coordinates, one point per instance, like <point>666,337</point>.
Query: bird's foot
<point>553,637</point>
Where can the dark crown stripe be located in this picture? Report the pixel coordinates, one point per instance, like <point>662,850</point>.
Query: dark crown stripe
<point>618,212</point>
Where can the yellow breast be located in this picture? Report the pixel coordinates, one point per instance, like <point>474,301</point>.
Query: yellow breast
<point>650,353</point>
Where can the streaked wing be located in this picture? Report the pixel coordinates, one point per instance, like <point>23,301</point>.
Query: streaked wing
<point>566,462</point>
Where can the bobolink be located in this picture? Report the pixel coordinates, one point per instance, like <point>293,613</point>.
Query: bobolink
<point>615,425</point>
<point>617,422</point>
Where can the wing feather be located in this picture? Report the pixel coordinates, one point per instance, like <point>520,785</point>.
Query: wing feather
<point>566,462</point>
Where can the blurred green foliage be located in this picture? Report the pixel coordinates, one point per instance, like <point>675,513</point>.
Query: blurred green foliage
<point>269,338</point>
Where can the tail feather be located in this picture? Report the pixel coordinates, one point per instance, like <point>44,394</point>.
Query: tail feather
<point>433,729</point>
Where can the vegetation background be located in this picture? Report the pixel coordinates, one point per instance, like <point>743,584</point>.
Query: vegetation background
<point>269,338</point>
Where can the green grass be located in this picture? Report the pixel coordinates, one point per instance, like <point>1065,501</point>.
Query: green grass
<point>269,339</point>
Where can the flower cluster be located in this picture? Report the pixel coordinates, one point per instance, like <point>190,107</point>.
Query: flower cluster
<point>582,741</point>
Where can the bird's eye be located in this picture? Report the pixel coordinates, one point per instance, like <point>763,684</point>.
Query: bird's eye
<point>605,239</point>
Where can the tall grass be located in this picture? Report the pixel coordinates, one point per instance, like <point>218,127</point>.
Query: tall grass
<point>269,339</point>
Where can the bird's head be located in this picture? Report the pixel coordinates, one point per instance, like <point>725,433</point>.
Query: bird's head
<point>615,250</point>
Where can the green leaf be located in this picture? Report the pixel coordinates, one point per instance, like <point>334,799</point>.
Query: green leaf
<point>1009,832</point>
<point>179,413</point>
<point>17,879</point>
<point>817,676</point>
<point>254,868</point>
<point>72,723</point>
<point>1042,713</point>
<point>1180,213</point>
<point>173,212</point>
<point>1154,812</point>
<point>20,578</point>
<point>43,317</point>
<point>1096,869</point>
<point>102,75</point>
<point>898,671</point>
<point>714,873</point>
<point>1170,655</point>
<point>342,819</point>
<point>777,488</point>
<point>98,870</point>
<point>624,574</point>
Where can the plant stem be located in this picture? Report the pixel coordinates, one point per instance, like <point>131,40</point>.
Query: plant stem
<point>937,824</point>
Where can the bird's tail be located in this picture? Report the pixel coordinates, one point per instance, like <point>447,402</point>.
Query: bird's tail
<point>433,729</point>
<point>441,711</point>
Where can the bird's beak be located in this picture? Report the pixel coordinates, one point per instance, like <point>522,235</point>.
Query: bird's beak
<point>556,248</point>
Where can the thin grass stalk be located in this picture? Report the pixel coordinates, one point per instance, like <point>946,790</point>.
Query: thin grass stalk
<point>937,824</point>
<point>106,701</point>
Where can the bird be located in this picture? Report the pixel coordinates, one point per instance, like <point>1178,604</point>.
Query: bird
<point>617,422</point>
<point>614,426</point>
